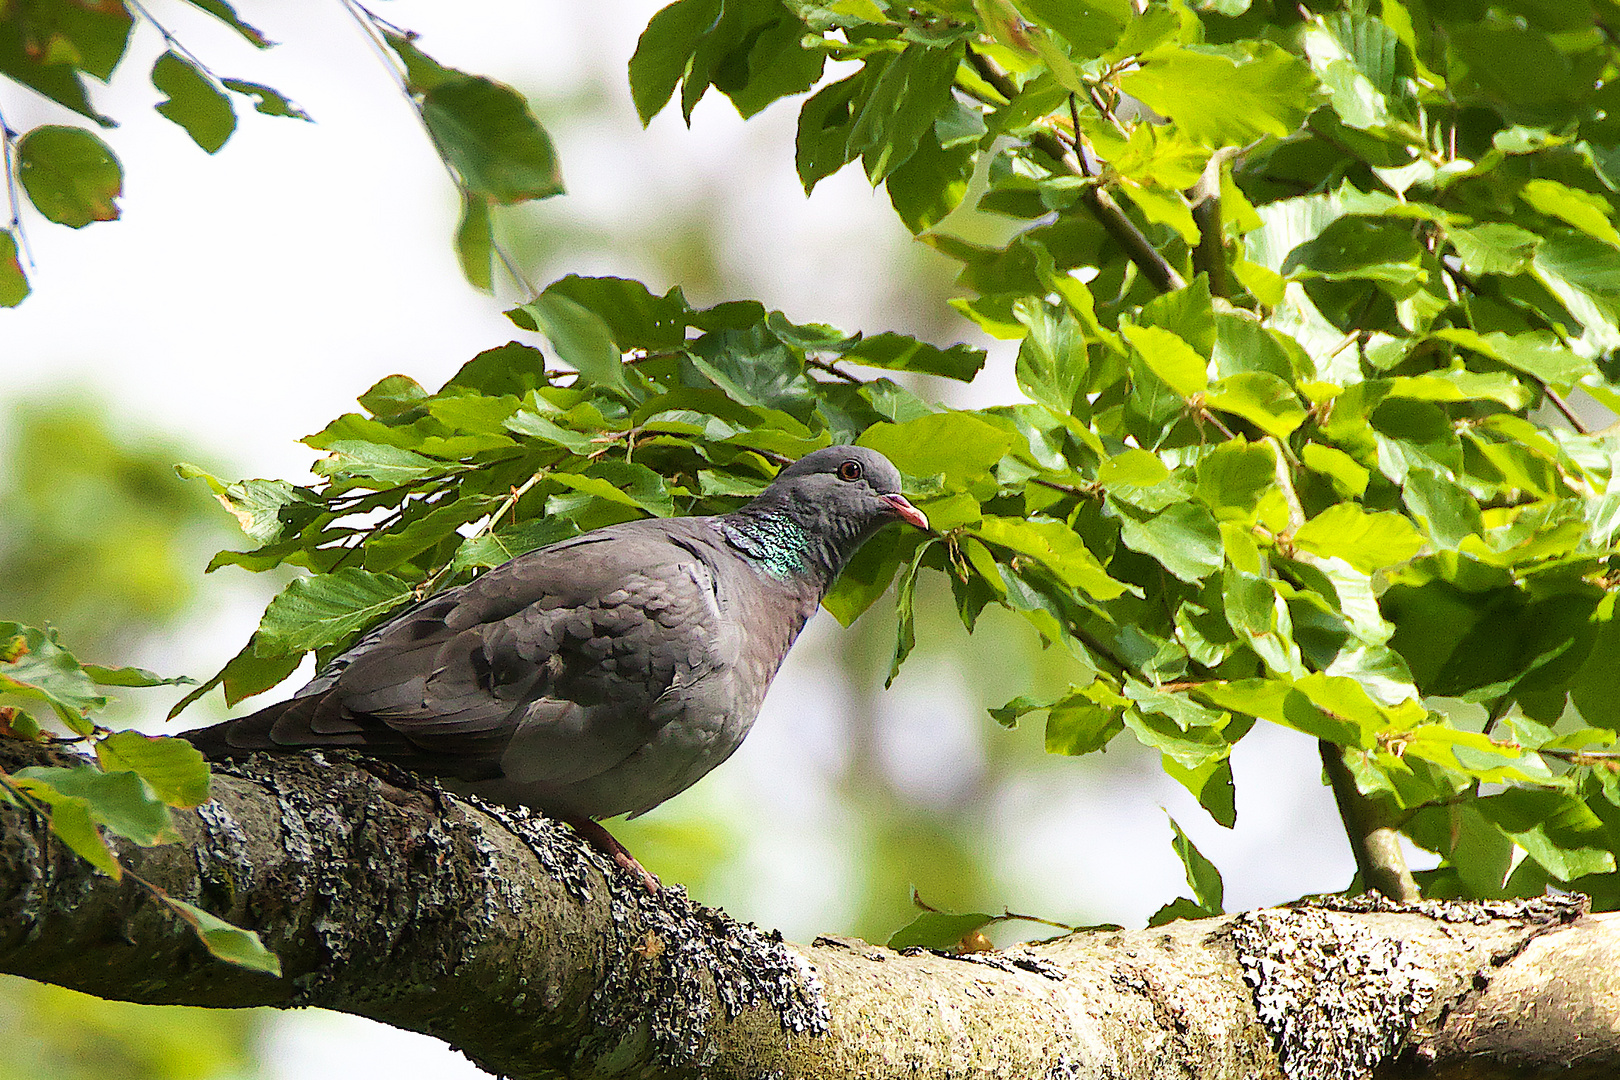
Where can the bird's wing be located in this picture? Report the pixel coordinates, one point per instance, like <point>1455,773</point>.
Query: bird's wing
<point>577,644</point>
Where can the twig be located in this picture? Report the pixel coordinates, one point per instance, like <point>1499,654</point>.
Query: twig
<point>7,136</point>
<point>1563,406</point>
<point>831,369</point>
<point>1154,266</point>
<point>369,24</point>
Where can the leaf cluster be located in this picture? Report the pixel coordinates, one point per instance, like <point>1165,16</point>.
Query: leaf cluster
<point>129,790</point>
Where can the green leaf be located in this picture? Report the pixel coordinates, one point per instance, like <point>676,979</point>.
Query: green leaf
<point>193,101</point>
<point>174,768</point>
<point>1494,247</point>
<point>1233,477</point>
<point>1367,541</point>
<point>1557,830</point>
<point>33,667</point>
<point>1536,353</point>
<point>475,241</point>
<point>1085,720</point>
<point>495,548</point>
<point>904,600</point>
<point>824,123</point>
<point>1056,547</point>
<point>1132,468</point>
<point>1169,357</point>
<point>1183,537</point>
<point>636,318</point>
<point>867,576</point>
<point>485,131</point>
<point>121,801</point>
<point>229,943</point>
<point>664,53</point>
<point>1219,101</point>
<point>132,676</point>
<point>580,336</point>
<point>956,445</point>
<point>1587,212</point>
<point>71,176</point>
<point>14,287</point>
<point>380,463</point>
<point>1052,362</point>
<point>317,611</point>
<point>903,94</point>
<point>73,824</point>
<point>266,510</point>
<point>1090,26</point>
<point>266,99</point>
<point>622,482</point>
<point>1202,876</point>
<point>897,352</point>
<point>226,14</point>
<point>941,931</point>
<point>1261,398</point>
<point>931,183</point>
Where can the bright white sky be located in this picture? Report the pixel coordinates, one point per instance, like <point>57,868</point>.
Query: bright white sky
<point>247,298</point>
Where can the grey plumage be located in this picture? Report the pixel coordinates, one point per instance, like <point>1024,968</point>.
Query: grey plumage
<point>601,675</point>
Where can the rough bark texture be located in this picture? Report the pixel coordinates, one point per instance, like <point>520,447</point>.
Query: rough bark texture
<point>506,936</point>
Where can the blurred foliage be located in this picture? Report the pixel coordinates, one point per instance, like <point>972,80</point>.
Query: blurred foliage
<point>55,1034</point>
<point>99,540</point>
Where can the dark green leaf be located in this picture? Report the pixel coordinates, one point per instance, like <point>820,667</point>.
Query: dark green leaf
<point>665,50</point>
<point>120,801</point>
<point>193,101</point>
<point>475,241</point>
<point>313,612</point>
<point>1202,876</point>
<point>897,352</point>
<point>486,132</point>
<point>70,175</point>
<point>14,287</point>
<point>226,14</point>
<point>266,99</point>
<point>580,336</point>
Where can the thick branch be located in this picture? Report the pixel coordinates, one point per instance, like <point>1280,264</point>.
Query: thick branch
<point>509,938</point>
<point>1374,839</point>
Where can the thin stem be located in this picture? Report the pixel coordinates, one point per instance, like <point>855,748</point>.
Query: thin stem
<point>831,369</point>
<point>1154,266</point>
<point>370,25</point>
<point>507,504</point>
<point>1564,407</point>
<point>7,137</point>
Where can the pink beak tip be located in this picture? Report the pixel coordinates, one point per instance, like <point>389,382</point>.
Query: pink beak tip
<point>906,511</point>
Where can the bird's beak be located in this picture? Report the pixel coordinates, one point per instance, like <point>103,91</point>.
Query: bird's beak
<point>906,512</point>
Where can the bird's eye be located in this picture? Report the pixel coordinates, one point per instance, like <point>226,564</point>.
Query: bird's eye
<point>849,470</point>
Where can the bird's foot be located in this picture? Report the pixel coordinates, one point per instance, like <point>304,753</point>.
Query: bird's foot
<point>602,840</point>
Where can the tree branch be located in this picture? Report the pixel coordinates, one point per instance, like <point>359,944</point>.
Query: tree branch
<point>510,938</point>
<point>1154,266</point>
<point>1375,842</point>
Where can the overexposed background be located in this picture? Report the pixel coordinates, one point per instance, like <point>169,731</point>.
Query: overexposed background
<point>246,298</point>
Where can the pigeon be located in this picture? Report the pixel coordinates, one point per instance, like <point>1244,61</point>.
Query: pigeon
<point>604,674</point>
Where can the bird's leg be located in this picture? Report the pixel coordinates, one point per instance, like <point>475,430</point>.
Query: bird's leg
<point>603,841</point>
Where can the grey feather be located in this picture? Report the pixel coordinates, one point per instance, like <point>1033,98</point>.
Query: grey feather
<point>604,674</point>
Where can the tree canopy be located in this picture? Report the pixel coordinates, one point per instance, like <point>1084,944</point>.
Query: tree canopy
<point>1316,315</point>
